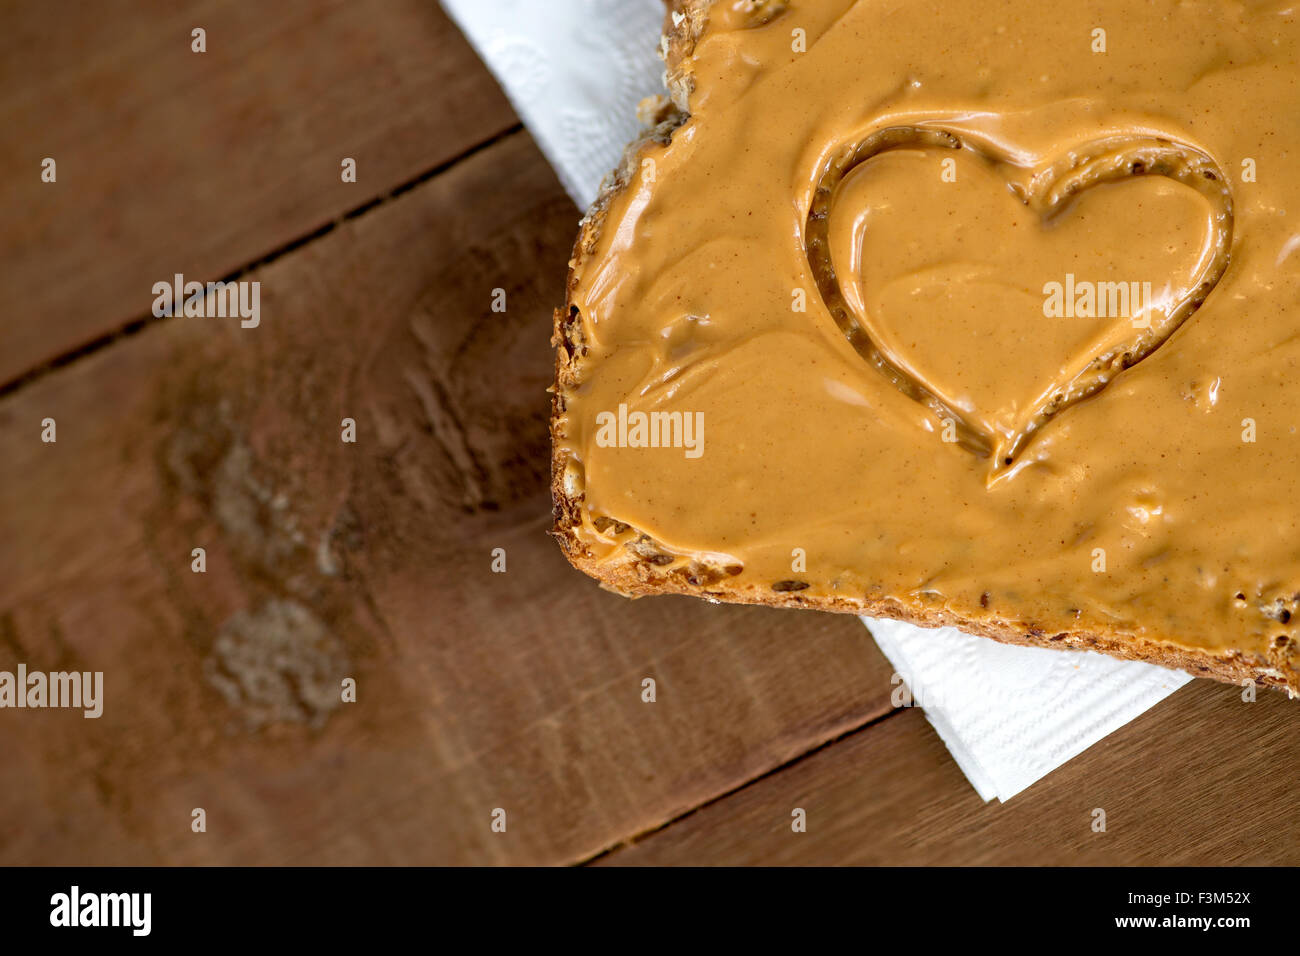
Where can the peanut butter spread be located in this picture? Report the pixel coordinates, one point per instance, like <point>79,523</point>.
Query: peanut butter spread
<point>990,307</point>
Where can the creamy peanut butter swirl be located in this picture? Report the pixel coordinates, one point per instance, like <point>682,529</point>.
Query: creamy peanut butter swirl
<point>991,307</point>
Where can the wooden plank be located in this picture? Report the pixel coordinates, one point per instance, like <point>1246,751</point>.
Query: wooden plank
<point>476,690</point>
<point>1201,779</point>
<point>200,163</point>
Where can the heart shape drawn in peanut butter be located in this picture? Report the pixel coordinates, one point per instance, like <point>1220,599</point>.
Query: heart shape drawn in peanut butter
<point>1048,193</point>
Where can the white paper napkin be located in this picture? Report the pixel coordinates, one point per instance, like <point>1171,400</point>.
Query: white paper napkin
<point>1011,715</point>
<point>575,70</point>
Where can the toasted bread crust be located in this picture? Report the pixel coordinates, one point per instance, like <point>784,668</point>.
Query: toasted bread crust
<point>644,567</point>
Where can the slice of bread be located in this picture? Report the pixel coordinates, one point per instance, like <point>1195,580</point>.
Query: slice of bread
<point>630,560</point>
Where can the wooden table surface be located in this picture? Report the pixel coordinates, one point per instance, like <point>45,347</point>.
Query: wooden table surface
<point>476,691</point>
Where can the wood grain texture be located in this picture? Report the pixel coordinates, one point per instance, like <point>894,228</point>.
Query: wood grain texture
<point>477,690</point>
<point>1201,779</point>
<point>200,163</point>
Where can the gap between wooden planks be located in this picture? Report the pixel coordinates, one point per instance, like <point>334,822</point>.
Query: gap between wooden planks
<point>1203,778</point>
<point>171,161</point>
<point>475,690</point>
